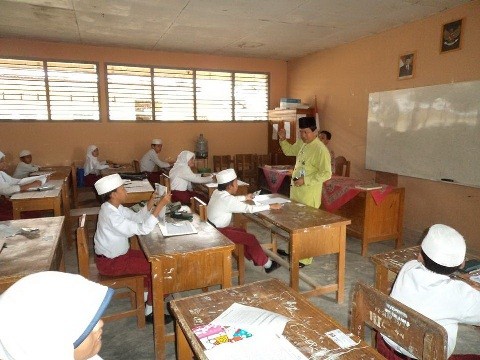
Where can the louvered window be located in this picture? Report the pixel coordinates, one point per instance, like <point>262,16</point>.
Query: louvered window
<point>251,96</point>
<point>45,90</point>
<point>174,95</point>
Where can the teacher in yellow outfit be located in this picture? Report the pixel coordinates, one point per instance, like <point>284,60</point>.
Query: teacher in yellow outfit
<point>312,166</point>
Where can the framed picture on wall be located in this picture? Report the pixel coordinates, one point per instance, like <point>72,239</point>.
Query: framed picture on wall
<point>406,65</point>
<point>451,36</point>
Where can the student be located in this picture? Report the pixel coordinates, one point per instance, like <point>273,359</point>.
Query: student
<point>325,137</point>
<point>25,166</point>
<point>182,177</point>
<point>93,166</point>
<point>115,225</point>
<point>150,161</point>
<point>312,167</point>
<point>223,204</point>
<point>52,315</point>
<point>425,286</point>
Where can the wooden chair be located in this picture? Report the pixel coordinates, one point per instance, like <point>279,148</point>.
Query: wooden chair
<point>221,162</point>
<point>420,335</point>
<point>88,193</point>
<point>342,166</point>
<point>165,181</point>
<point>264,159</point>
<point>136,166</point>
<point>199,207</point>
<point>134,283</point>
<point>246,168</point>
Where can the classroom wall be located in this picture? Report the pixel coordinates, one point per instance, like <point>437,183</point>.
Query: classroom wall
<point>342,79</point>
<point>63,142</point>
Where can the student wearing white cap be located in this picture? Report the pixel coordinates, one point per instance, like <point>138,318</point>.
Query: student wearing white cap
<point>182,177</point>
<point>150,162</point>
<point>52,315</point>
<point>425,286</point>
<point>10,186</point>
<point>25,166</point>
<point>223,204</point>
<point>115,225</point>
<point>93,166</point>
<point>312,167</point>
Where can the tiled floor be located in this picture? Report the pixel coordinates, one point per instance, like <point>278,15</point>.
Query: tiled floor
<point>123,340</point>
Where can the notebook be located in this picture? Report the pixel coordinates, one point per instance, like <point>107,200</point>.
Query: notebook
<point>177,228</point>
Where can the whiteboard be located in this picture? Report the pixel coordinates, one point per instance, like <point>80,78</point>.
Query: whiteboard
<point>430,132</point>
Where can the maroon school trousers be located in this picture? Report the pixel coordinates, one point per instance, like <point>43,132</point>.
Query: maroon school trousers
<point>253,250</point>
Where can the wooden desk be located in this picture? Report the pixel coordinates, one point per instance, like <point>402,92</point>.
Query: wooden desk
<point>39,200</point>
<point>388,265</point>
<point>186,262</point>
<point>208,189</point>
<point>23,256</point>
<point>372,220</point>
<point>120,168</point>
<point>306,329</point>
<point>138,191</point>
<point>313,232</point>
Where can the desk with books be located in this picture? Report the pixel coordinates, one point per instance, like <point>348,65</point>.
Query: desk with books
<point>185,262</point>
<point>308,328</point>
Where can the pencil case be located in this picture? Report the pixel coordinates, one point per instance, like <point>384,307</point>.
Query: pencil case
<point>471,265</point>
<point>181,216</point>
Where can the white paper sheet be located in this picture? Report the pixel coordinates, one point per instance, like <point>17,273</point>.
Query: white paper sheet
<point>266,200</point>
<point>287,129</point>
<point>275,132</point>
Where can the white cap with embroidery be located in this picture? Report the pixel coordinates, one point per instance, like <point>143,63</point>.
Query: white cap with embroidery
<point>108,183</point>
<point>226,176</point>
<point>444,245</point>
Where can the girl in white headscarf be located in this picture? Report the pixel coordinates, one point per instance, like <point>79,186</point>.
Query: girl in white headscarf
<point>182,177</point>
<point>52,315</point>
<point>10,186</point>
<point>93,166</point>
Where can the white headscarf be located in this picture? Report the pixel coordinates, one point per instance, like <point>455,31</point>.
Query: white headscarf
<point>90,160</point>
<point>2,155</point>
<point>48,314</point>
<point>182,162</point>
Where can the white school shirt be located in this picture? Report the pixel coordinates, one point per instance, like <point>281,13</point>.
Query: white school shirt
<point>23,170</point>
<point>438,297</point>
<point>150,159</point>
<point>8,184</point>
<point>93,166</point>
<point>182,177</point>
<point>222,205</point>
<point>116,225</point>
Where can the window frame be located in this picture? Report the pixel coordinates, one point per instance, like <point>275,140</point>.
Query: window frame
<point>46,83</point>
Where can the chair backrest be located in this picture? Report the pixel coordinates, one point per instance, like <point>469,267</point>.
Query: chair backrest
<point>198,207</point>
<point>414,332</point>
<point>82,248</point>
<point>221,162</point>
<point>342,166</point>
<point>136,166</point>
<point>74,185</point>
<point>246,168</point>
<point>264,159</point>
<point>165,181</point>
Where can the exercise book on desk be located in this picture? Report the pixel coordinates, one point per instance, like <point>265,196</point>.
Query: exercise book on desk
<point>266,200</point>
<point>177,228</point>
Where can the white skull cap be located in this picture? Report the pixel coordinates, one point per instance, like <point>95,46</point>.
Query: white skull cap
<point>24,153</point>
<point>444,245</point>
<point>226,176</point>
<point>108,183</point>
<point>157,142</point>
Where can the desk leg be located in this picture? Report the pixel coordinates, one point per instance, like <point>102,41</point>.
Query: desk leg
<point>294,259</point>
<point>16,212</point>
<point>183,347</point>
<point>381,278</point>
<point>341,264</point>
<point>158,304</point>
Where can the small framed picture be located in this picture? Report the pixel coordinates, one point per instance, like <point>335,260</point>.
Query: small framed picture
<point>451,36</point>
<point>406,65</point>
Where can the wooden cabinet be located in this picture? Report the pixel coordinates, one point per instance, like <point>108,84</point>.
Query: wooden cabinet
<point>284,119</point>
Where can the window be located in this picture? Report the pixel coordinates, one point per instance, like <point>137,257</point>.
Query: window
<point>149,93</point>
<point>44,90</point>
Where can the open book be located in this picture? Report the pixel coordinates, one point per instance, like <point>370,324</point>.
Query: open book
<point>177,228</point>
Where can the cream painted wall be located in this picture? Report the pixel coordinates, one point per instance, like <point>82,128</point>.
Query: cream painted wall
<point>60,143</point>
<point>342,79</point>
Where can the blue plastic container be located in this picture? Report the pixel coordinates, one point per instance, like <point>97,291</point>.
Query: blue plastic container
<point>80,177</point>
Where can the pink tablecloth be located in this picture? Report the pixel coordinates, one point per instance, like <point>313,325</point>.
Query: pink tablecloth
<point>339,190</point>
<point>274,177</point>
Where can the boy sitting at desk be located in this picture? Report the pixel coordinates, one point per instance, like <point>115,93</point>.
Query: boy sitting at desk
<point>25,166</point>
<point>425,286</point>
<point>223,204</point>
<point>150,161</point>
<point>116,224</point>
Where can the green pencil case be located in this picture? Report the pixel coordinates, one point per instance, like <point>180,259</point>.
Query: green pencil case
<point>471,265</point>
